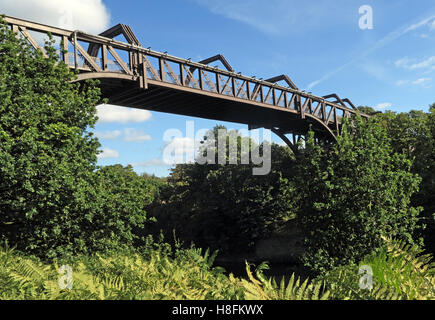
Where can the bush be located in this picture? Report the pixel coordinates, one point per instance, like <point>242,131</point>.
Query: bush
<point>47,156</point>
<point>354,193</point>
<point>400,271</point>
<point>123,196</point>
<point>225,207</point>
<point>413,134</point>
<point>53,201</point>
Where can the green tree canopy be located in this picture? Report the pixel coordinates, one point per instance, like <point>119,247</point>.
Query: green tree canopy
<point>225,206</point>
<point>413,134</point>
<point>53,200</point>
<point>353,194</point>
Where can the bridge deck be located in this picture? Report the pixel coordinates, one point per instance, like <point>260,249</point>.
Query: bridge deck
<point>136,77</point>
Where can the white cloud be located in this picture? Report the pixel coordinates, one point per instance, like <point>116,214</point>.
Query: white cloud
<point>86,15</point>
<point>179,150</point>
<point>401,82</point>
<point>108,135</point>
<point>110,113</point>
<point>413,64</point>
<point>133,135</point>
<point>428,63</point>
<point>183,145</point>
<point>403,62</point>
<point>384,105</point>
<point>424,82</point>
<point>108,154</point>
<point>155,162</point>
<point>432,25</point>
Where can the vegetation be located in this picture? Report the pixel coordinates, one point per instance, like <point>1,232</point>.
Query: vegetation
<point>58,208</point>
<point>355,193</point>
<point>53,200</point>
<point>218,206</point>
<point>156,272</point>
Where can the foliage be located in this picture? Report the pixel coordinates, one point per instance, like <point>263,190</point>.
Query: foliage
<point>367,110</point>
<point>400,271</point>
<point>47,156</point>
<point>53,201</point>
<point>354,193</point>
<point>226,207</point>
<point>159,272</point>
<point>133,275</point>
<point>264,288</point>
<point>123,196</point>
<point>413,134</point>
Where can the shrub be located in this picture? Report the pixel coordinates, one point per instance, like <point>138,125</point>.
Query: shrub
<point>225,207</point>
<point>400,271</point>
<point>354,193</point>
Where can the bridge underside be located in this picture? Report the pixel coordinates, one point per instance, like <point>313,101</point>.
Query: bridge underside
<point>190,103</point>
<point>133,76</point>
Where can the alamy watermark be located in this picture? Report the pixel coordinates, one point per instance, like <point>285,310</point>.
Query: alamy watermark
<point>202,147</point>
<point>366,20</point>
<point>66,280</point>
<point>366,280</point>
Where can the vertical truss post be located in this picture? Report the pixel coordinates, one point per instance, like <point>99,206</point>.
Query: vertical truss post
<point>104,56</point>
<point>162,69</point>
<point>76,58</point>
<point>285,99</point>
<point>142,69</point>
<point>201,86</point>
<point>182,78</point>
<point>65,50</point>
<point>301,108</point>
<point>274,96</point>
<point>218,84</point>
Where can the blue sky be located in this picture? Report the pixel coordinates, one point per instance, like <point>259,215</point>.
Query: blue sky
<point>319,44</point>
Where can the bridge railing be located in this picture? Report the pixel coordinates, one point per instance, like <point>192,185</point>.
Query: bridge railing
<point>159,67</point>
<point>96,54</point>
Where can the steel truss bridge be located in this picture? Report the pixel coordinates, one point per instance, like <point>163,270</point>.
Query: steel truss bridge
<point>138,77</point>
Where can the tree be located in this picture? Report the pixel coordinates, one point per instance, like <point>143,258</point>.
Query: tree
<point>225,206</point>
<point>354,193</point>
<point>124,198</point>
<point>413,134</point>
<point>52,200</point>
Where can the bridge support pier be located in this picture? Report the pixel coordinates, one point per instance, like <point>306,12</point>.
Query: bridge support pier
<point>281,135</point>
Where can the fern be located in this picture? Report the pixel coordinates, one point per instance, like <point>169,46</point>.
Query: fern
<point>262,288</point>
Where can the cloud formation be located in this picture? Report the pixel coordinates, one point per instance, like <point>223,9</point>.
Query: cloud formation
<point>155,162</point>
<point>133,135</point>
<point>382,106</point>
<point>423,82</point>
<point>108,154</point>
<point>86,15</point>
<point>108,135</point>
<point>114,114</point>
<point>412,64</point>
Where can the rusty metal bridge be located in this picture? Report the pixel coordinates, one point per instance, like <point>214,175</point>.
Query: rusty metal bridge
<point>138,77</point>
